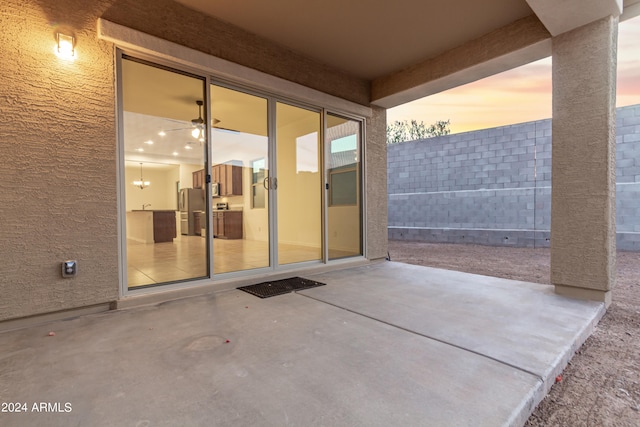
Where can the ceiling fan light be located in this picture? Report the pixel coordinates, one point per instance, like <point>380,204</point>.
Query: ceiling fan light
<point>195,133</point>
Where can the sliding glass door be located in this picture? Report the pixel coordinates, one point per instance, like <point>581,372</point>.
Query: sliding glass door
<point>239,178</point>
<point>164,141</point>
<point>343,184</point>
<point>298,184</point>
<point>220,180</point>
<point>244,183</point>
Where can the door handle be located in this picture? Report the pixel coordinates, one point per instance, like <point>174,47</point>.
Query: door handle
<point>269,182</point>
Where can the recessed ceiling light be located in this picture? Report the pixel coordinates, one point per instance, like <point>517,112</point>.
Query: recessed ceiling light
<point>188,147</point>
<point>161,133</point>
<point>149,142</point>
<point>140,149</point>
<point>175,153</point>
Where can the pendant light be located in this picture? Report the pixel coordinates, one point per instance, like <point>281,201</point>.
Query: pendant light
<point>142,184</point>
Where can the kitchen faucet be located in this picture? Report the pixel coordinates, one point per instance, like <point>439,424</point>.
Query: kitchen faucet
<point>147,205</point>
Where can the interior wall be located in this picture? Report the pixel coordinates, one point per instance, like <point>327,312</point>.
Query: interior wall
<point>299,197</point>
<point>255,221</point>
<point>161,193</point>
<point>344,228</point>
<point>186,174</point>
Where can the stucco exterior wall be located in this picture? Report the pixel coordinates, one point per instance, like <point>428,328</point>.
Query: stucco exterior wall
<point>584,163</point>
<point>58,169</point>
<point>376,194</point>
<point>58,175</point>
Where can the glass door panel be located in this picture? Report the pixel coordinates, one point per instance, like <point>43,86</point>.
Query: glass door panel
<point>299,196</point>
<point>240,165</point>
<point>344,207</point>
<point>164,146</point>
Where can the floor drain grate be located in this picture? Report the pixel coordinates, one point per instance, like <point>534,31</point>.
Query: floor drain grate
<point>280,287</point>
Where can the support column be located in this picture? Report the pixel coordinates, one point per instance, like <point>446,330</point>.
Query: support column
<point>583,230</point>
<point>376,181</point>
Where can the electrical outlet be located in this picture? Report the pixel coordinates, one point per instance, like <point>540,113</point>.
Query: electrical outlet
<point>69,268</point>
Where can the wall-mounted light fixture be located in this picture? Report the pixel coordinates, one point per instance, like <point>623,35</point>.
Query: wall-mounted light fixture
<point>66,46</point>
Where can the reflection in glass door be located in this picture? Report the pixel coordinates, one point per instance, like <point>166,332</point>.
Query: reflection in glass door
<point>299,196</point>
<point>164,146</point>
<point>342,163</point>
<point>240,147</point>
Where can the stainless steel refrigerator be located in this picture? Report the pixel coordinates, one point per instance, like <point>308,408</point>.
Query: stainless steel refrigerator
<point>191,199</point>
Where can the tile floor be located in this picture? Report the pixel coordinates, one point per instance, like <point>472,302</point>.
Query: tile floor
<point>186,258</point>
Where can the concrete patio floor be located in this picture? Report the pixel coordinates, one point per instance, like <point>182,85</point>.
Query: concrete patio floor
<point>384,344</point>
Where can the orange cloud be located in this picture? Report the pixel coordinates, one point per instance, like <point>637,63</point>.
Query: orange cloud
<point>519,95</point>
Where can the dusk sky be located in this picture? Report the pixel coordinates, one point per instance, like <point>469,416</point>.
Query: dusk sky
<point>519,95</point>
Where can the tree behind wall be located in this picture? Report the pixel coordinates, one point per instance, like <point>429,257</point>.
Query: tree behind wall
<point>401,131</point>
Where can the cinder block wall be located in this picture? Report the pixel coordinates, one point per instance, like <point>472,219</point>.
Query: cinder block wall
<point>493,186</point>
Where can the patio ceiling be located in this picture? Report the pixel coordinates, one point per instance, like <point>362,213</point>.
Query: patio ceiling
<point>367,38</point>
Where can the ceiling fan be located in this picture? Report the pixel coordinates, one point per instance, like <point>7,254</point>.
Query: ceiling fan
<point>197,124</point>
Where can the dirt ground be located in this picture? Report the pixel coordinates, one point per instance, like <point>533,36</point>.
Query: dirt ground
<point>601,384</point>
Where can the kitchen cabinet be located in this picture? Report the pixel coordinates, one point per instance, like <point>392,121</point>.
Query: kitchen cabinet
<point>215,173</point>
<point>233,180</point>
<point>227,224</point>
<point>199,222</point>
<point>164,226</point>
<point>151,226</point>
<point>198,179</point>
<point>230,179</point>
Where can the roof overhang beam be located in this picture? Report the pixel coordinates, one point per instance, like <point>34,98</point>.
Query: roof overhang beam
<point>562,16</point>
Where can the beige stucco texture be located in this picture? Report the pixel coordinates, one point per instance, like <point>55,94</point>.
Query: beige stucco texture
<point>583,153</point>
<point>376,193</point>
<point>58,168</point>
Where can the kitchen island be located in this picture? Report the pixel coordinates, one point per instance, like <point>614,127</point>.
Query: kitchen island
<point>151,226</point>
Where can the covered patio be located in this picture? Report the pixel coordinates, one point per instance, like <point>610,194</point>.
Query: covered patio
<point>381,344</point>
